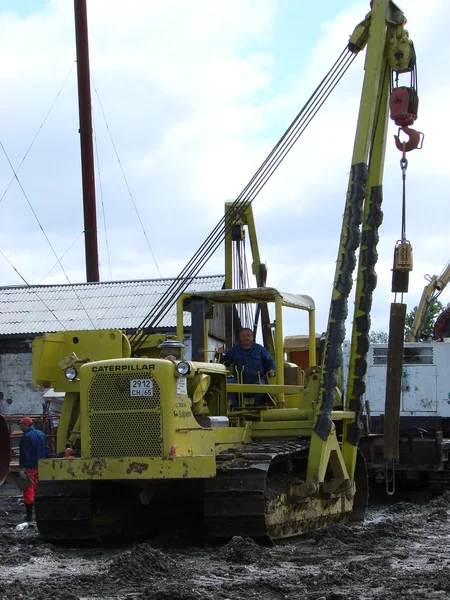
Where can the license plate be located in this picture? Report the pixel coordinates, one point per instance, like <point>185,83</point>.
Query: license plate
<point>141,387</point>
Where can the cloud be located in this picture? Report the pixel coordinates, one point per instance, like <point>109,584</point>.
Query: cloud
<point>190,100</point>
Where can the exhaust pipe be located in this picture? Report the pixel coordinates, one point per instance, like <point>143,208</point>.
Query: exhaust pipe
<point>5,450</point>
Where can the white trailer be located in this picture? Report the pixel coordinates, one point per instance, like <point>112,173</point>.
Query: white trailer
<point>424,416</point>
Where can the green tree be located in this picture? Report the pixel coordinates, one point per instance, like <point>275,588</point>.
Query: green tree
<point>378,337</point>
<point>427,329</point>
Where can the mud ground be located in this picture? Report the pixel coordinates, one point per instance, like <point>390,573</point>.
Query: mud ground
<point>400,552</point>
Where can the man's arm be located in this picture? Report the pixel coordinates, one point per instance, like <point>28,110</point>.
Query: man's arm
<point>24,453</point>
<point>227,359</point>
<point>47,449</point>
<point>268,362</point>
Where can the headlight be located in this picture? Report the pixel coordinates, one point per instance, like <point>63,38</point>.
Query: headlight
<point>70,373</point>
<point>183,368</point>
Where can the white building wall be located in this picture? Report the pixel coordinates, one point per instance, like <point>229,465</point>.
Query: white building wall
<point>17,392</point>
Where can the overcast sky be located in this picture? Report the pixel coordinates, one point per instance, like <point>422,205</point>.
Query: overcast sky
<point>195,96</point>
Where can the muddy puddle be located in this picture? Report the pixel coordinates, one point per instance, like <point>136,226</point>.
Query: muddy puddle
<point>400,552</point>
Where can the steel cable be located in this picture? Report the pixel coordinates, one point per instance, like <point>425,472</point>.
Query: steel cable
<point>249,193</point>
<point>291,139</point>
<point>252,189</point>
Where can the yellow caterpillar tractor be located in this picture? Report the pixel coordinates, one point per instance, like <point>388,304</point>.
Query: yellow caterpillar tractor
<point>146,444</point>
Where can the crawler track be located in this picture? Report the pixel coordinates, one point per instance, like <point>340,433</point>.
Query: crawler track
<point>254,494</point>
<point>64,511</point>
<point>107,510</point>
<point>259,492</point>
<point>235,500</point>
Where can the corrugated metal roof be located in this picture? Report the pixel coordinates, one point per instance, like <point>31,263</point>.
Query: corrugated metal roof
<point>102,305</point>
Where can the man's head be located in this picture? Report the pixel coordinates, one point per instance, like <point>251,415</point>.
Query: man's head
<point>246,337</point>
<point>25,424</point>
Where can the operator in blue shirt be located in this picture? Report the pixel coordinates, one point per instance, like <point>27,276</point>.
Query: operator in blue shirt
<point>252,361</point>
<point>33,446</point>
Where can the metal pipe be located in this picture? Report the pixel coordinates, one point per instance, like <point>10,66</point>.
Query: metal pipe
<point>180,324</point>
<point>229,325</point>
<point>205,339</point>
<point>87,153</point>
<point>312,338</point>
<point>279,351</point>
<point>286,414</point>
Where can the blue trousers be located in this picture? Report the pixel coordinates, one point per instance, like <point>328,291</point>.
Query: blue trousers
<point>233,396</point>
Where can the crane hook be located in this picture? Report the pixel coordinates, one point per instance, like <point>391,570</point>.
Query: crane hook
<point>415,139</point>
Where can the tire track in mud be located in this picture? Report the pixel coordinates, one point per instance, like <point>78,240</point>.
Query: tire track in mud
<point>400,552</point>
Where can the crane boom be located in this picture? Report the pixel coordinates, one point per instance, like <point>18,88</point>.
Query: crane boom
<point>432,291</point>
<point>388,50</point>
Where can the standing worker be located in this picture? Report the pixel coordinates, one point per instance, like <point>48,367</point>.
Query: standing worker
<point>252,361</point>
<point>33,446</point>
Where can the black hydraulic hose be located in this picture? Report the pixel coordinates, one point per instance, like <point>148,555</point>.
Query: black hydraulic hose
<point>248,194</point>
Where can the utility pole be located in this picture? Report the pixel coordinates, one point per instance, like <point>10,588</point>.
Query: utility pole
<point>87,152</point>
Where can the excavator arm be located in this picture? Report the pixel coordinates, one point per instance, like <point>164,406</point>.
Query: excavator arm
<point>436,285</point>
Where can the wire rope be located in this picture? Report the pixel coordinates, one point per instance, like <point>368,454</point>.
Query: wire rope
<point>248,194</point>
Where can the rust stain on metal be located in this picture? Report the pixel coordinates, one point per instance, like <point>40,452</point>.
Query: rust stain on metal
<point>93,468</point>
<point>136,467</point>
<point>43,383</point>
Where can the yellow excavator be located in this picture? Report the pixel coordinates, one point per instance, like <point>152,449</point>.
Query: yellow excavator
<point>431,292</point>
<point>146,444</point>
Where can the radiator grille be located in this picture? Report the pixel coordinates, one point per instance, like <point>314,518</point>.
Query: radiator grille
<point>121,425</point>
<point>125,434</point>
<point>416,355</point>
<point>111,391</point>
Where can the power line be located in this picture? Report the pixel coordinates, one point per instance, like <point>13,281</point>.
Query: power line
<point>37,133</point>
<point>125,179</point>
<point>34,291</point>
<point>60,258</point>
<point>15,177</point>
<point>43,231</point>
<point>101,196</point>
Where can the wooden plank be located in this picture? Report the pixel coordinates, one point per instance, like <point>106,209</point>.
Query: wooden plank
<point>394,381</point>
